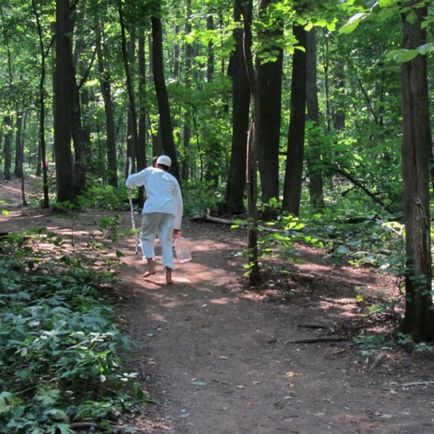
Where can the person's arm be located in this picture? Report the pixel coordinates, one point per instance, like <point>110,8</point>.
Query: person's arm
<point>136,179</point>
<point>179,207</point>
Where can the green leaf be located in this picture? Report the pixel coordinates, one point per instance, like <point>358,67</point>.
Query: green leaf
<point>425,49</point>
<point>403,55</point>
<point>387,3</point>
<point>352,23</point>
<point>199,383</point>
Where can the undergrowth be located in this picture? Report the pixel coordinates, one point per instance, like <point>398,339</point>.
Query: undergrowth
<point>60,346</point>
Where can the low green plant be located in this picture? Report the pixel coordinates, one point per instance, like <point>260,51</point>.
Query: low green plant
<point>60,346</point>
<point>104,196</point>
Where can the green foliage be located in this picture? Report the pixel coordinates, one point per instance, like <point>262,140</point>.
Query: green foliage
<point>105,197</point>
<point>200,196</point>
<point>59,344</point>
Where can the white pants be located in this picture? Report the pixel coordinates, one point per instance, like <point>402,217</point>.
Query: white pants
<point>162,224</point>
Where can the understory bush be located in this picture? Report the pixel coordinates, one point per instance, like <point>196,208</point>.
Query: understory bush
<point>60,347</point>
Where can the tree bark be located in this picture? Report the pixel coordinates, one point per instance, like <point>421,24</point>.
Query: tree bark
<point>166,128</point>
<point>105,85</point>
<point>314,162</point>
<point>236,182</point>
<point>251,163</point>
<point>269,84</point>
<point>63,104</point>
<point>211,57</point>
<point>132,112</point>
<point>186,136</point>
<point>42,149</point>
<point>295,151</point>
<point>19,143</point>
<point>416,153</point>
<point>7,148</point>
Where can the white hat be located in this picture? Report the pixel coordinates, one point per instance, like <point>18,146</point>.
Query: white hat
<point>164,160</point>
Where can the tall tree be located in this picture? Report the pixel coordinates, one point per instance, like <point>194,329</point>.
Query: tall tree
<point>19,143</point>
<point>63,81</point>
<point>106,90</point>
<point>166,126</point>
<point>416,156</point>
<point>245,7</point>
<point>126,56</point>
<point>269,85</point>
<point>43,53</point>
<point>295,150</point>
<point>236,183</point>
<point>314,157</point>
<point>7,146</point>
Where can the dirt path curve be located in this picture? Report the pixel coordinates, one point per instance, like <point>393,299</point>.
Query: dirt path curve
<point>219,362</point>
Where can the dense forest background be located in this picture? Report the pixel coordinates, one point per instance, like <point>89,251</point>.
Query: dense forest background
<point>324,106</point>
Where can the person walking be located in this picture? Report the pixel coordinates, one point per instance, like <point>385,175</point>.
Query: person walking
<point>162,212</point>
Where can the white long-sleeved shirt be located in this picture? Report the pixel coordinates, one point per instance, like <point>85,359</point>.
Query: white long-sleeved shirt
<point>162,191</point>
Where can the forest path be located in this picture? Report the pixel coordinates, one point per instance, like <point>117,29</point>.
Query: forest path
<point>217,358</point>
<point>215,355</point>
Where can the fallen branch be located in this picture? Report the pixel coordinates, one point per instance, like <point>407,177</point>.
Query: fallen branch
<point>317,340</point>
<point>417,383</point>
<point>314,326</point>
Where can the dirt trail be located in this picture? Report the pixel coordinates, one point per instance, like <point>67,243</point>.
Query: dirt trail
<point>216,357</point>
<point>218,361</point>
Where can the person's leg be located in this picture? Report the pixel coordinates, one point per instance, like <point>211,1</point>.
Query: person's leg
<point>150,224</point>
<point>166,232</point>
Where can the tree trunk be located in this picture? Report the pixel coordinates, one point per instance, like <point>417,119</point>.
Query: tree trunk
<point>166,128</point>
<point>7,148</point>
<point>416,152</point>
<point>141,145</point>
<point>19,143</point>
<point>269,76</point>
<point>132,112</point>
<point>176,55</point>
<point>240,124</point>
<point>314,160</point>
<point>42,166</point>
<point>245,8</point>
<point>105,84</point>
<point>80,158</point>
<point>63,104</point>
<point>211,57</point>
<point>295,151</point>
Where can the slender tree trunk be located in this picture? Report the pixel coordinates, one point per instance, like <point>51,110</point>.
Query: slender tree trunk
<point>19,143</point>
<point>7,149</point>
<point>166,128</point>
<point>186,135</point>
<point>326,63</point>
<point>141,146</point>
<point>339,112</point>
<point>176,55</point>
<point>132,136</point>
<point>132,112</point>
<point>105,84</point>
<point>78,141</point>
<point>42,148</point>
<point>269,84</point>
<point>240,123</point>
<point>63,104</point>
<point>314,160</point>
<point>211,57</point>
<point>251,164</point>
<point>416,152</point>
<point>295,151</point>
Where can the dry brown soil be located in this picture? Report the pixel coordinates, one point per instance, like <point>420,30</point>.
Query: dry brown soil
<point>217,357</point>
